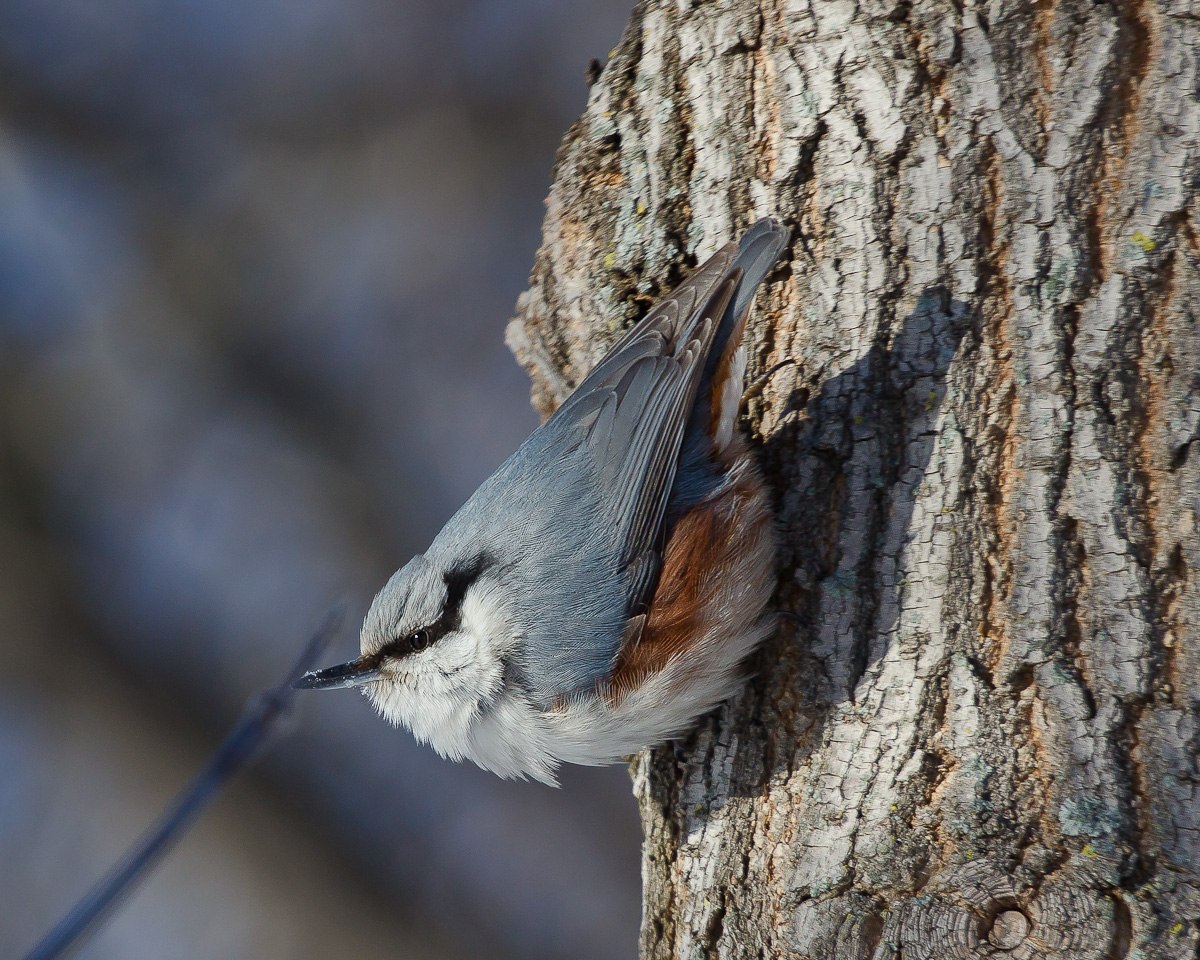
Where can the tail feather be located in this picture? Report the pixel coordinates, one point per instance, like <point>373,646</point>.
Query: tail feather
<point>757,255</point>
<point>711,444</point>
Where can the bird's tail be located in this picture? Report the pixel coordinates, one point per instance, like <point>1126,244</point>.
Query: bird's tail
<point>709,449</point>
<point>757,254</point>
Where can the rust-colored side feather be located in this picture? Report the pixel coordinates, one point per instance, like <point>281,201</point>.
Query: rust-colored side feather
<point>702,549</point>
<point>725,396</point>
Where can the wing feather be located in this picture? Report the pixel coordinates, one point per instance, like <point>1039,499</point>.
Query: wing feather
<point>634,407</point>
<point>622,432</point>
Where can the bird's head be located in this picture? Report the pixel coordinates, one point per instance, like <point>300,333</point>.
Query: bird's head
<point>433,647</point>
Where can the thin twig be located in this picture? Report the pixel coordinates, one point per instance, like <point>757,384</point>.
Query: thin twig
<point>257,722</point>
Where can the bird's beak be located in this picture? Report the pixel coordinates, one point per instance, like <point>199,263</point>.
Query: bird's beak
<point>352,674</point>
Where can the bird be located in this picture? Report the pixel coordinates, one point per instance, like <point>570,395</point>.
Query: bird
<point>603,588</point>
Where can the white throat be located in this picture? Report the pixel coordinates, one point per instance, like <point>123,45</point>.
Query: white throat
<point>454,697</point>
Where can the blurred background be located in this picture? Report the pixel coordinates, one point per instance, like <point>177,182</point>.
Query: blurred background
<point>256,259</point>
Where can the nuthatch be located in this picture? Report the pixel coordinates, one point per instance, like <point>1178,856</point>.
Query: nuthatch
<point>601,589</point>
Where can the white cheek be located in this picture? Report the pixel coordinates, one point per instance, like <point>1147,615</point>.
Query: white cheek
<point>453,695</point>
<point>484,618</point>
<point>437,693</point>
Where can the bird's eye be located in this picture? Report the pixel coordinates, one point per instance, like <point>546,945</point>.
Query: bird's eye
<point>419,640</point>
<point>409,643</point>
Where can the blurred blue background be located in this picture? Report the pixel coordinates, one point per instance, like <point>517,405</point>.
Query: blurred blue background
<point>256,259</point>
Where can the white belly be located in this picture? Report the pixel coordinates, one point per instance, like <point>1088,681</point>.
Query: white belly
<point>514,739</point>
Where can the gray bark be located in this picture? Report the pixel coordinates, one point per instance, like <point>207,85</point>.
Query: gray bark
<point>980,740</point>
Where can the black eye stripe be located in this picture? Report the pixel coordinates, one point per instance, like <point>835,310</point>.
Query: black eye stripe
<point>458,580</point>
<point>409,643</point>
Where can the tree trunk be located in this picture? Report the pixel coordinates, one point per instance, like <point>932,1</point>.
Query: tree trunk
<point>980,737</point>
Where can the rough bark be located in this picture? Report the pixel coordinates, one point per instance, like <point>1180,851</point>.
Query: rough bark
<point>981,738</point>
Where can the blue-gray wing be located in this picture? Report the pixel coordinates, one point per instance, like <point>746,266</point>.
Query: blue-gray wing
<point>634,407</point>
<point>622,430</point>
<point>636,403</point>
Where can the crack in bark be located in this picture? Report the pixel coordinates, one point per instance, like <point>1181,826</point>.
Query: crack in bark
<point>1070,600</point>
<point>1122,937</point>
<point>1119,119</point>
<point>1001,481</point>
<point>1043,42</point>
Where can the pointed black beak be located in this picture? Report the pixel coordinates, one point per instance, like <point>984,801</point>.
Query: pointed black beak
<point>352,674</point>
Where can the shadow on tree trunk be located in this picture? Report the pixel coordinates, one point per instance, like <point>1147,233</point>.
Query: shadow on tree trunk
<point>889,400</point>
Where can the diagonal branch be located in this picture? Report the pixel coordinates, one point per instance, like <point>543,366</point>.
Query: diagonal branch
<point>259,720</point>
